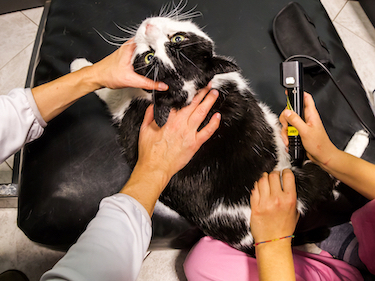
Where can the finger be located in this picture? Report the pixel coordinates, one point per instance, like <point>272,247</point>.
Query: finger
<point>274,182</point>
<point>200,113</point>
<point>289,184</point>
<point>311,113</point>
<point>198,98</point>
<point>264,187</point>
<point>282,118</point>
<point>296,121</point>
<point>131,45</point>
<point>208,130</point>
<point>149,117</point>
<point>139,81</point>
<point>254,196</point>
<point>284,129</point>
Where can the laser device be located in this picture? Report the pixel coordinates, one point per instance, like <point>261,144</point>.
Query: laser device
<point>292,80</point>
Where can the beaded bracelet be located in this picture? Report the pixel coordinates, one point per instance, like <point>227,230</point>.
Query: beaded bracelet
<point>273,240</point>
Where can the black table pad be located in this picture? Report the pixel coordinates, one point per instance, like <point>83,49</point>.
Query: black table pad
<point>78,160</point>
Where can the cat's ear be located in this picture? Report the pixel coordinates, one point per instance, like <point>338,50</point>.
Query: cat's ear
<point>223,65</point>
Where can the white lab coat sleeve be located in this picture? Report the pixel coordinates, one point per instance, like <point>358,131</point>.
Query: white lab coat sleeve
<point>20,121</point>
<point>111,248</point>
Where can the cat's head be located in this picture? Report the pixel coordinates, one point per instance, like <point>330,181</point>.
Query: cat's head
<point>179,54</point>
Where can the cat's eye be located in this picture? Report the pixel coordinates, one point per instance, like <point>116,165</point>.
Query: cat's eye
<point>149,57</point>
<point>177,39</point>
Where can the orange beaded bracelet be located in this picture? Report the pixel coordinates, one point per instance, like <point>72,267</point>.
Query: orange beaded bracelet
<point>273,240</point>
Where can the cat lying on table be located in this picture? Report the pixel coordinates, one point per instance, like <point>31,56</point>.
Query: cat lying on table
<point>213,190</point>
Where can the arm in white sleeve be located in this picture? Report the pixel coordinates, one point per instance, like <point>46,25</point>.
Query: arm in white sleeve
<point>112,247</point>
<point>21,121</point>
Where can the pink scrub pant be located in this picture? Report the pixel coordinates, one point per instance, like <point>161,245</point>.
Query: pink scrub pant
<point>211,259</point>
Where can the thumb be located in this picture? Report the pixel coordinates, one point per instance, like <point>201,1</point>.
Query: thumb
<point>295,120</point>
<point>143,82</point>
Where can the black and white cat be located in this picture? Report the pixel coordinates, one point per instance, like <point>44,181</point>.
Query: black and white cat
<point>213,190</point>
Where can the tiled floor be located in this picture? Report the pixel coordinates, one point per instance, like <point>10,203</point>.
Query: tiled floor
<point>19,30</point>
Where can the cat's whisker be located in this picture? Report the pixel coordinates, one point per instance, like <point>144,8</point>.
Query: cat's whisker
<point>156,73</point>
<point>155,79</point>
<point>106,40</point>
<point>182,54</point>
<point>177,9</point>
<point>190,44</point>
<point>174,11</point>
<point>164,10</point>
<point>141,67</point>
<point>130,30</point>
<point>118,39</point>
<point>152,68</point>
<point>189,14</point>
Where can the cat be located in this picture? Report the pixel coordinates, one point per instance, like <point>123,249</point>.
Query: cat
<point>213,190</point>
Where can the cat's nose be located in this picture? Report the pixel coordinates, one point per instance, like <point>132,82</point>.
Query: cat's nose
<point>151,29</point>
<point>152,33</point>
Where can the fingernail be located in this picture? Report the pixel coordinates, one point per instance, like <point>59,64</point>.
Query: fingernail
<point>162,86</point>
<point>218,116</point>
<point>287,112</point>
<point>215,92</point>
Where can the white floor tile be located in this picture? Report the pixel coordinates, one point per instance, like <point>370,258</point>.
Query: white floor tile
<point>5,177</point>
<point>10,161</point>
<point>333,7</point>
<point>355,19</point>
<point>34,14</point>
<point>362,55</point>
<point>14,73</point>
<point>18,252</point>
<point>19,32</point>
<point>4,167</point>
<point>32,259</point>
<point>8,250</point>
<point>5,173</point>
<point>163,266</point>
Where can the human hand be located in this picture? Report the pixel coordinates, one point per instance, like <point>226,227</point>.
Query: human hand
<point>315,140</point>
<point>116,71</point>
<point>273,206</point>
<point>169,148</point>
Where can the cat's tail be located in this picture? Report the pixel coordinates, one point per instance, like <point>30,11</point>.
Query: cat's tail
<point>314,186</point>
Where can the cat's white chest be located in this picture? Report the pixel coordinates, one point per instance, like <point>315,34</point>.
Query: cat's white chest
<point>117,101</point>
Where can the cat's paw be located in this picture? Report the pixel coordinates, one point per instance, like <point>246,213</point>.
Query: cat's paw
<point>78,64</point>
<point>358,143</point>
